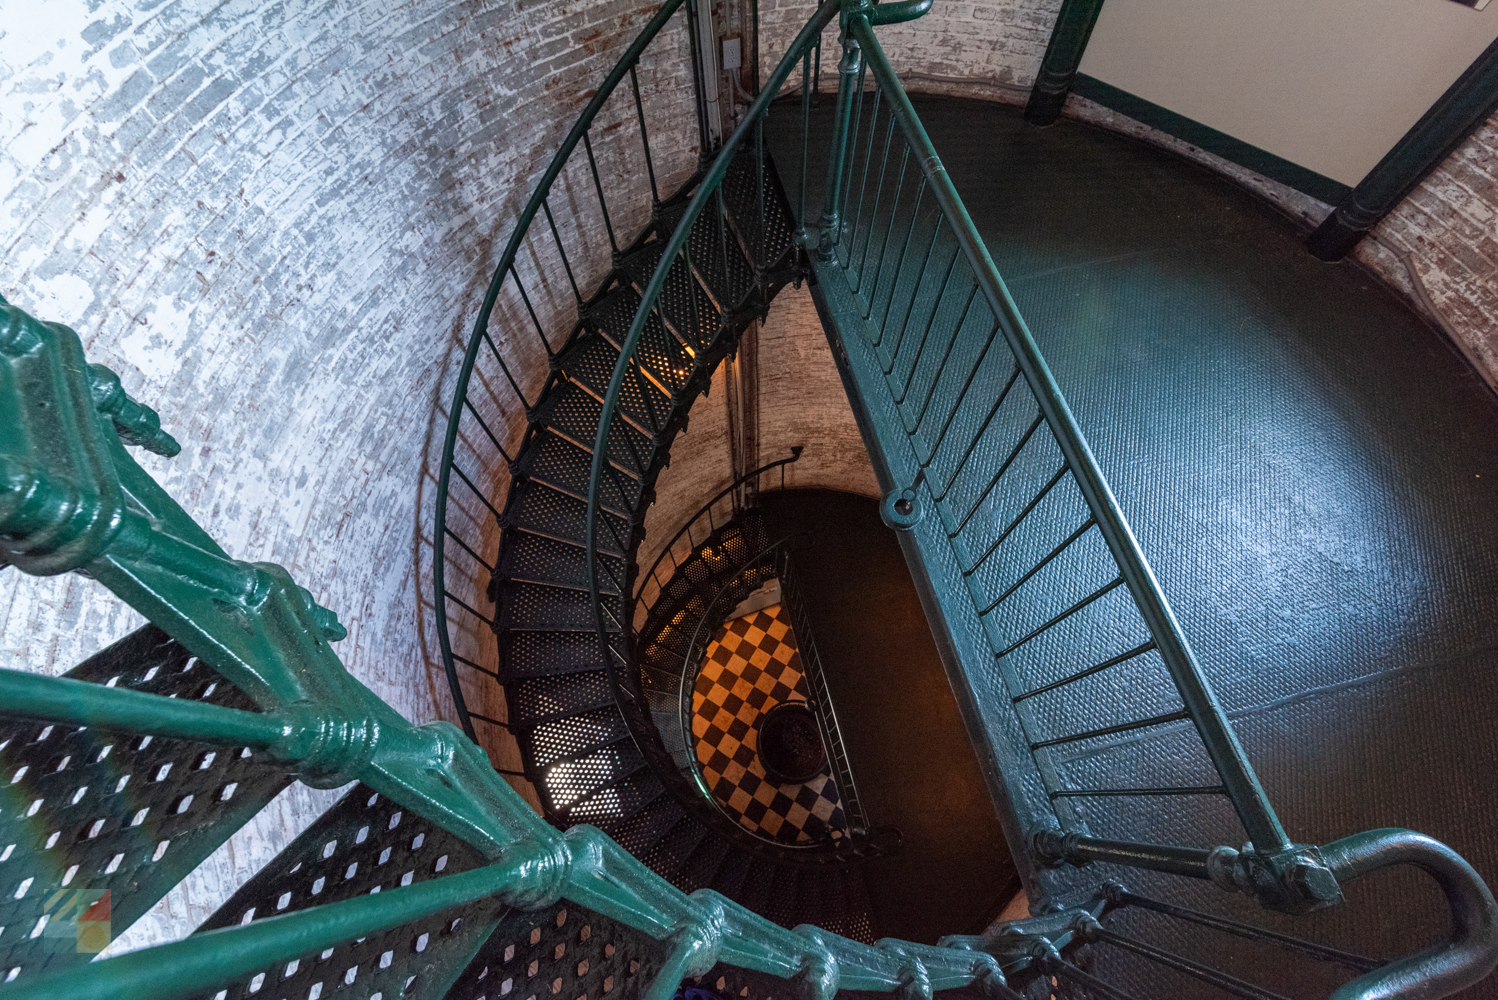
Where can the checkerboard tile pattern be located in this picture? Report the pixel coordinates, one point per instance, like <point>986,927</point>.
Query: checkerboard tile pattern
<point>751,666</point>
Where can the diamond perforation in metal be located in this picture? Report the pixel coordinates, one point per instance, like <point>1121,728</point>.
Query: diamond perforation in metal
<point>86,813</point>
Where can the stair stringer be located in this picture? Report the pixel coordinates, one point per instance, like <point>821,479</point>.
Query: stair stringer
<point>1014,780</point>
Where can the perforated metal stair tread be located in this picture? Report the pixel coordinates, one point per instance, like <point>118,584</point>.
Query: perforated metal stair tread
<point>590,363</point>
<point>565,951</point>
<point>708,858</point>
<point>731,875</point>
<point>567,467</point>
<point>535,605</point>
<point>576,544</point>
<point>135,814</point>
<point>719,260</point>
<point>606,588</point>
<point>640,832</point>
<point>685,304</point>
<point>581,732</point>
<point>529,654</point>
<point>362,844</point>
<point>540,697</point>
<point>660,354</point>
<point>620,799</point>
<point>543,509</point>
<point>545,724</point>
<point>744,191</point>
<point>575,416</point>
<point>571,783</point>
<point>669,855</point>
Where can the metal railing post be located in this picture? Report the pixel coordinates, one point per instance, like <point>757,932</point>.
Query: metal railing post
<point>847,83</point>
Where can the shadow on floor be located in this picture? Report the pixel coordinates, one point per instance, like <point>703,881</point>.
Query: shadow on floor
<point>909,752</point>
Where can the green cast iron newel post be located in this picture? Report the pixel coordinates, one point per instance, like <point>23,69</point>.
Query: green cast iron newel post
<point>830,226</point>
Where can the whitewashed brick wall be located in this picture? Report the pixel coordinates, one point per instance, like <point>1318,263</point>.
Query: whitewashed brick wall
<point>276,221</point>
<point>1449,227</point>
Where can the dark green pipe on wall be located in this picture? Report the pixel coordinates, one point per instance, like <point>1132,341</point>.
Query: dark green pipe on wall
<point>1062,57</point>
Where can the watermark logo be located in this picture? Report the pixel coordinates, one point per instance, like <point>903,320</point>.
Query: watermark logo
<point>73,921</point>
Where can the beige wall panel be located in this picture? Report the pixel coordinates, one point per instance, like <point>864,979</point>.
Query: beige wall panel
<point>1328,84</point>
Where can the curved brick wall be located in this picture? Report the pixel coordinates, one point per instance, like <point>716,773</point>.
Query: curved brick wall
<point>800,402</point>
<point>276,223</point>
<point>1448,227</point>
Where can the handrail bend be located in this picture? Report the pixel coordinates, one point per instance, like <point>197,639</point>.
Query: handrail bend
<point>480,333</point>
<point>1470,951</point>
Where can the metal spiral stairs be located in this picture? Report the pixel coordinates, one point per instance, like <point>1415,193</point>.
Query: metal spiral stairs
<point>732,561</point>
<point>430,876</point>
<point>592,757</point>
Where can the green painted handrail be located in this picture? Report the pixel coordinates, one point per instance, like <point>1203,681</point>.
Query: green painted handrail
<point>480,335</point>
<point>1227,753</point>
<point>66,474</point>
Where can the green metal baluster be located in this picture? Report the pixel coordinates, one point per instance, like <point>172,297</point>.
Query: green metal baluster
<point>850,73</point>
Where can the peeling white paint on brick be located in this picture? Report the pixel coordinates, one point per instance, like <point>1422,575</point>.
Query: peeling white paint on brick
<point>276,222</point>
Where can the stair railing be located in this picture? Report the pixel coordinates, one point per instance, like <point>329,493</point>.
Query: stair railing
<point>934,370</point>
<point>774,562</point>
<point>73,500</point>
<point>680,275</point>
<point>491,383</point>
<point>649,584</point>
<point>794,601</point>
<point>757,570</point>
<point>938,375</point>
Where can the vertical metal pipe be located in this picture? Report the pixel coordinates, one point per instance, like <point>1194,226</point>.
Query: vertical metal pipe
<point>699,90</point>
<point>1063,54</point>
<point>754,78</point>
<point>848,77</point>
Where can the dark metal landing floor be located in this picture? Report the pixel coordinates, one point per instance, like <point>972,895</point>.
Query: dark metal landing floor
<point>1311,469</point>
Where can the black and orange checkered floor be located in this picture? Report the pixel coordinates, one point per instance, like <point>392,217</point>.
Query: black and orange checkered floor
<point>751,666</point>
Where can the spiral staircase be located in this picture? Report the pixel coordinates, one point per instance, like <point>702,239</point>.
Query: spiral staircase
<point>431,876</point>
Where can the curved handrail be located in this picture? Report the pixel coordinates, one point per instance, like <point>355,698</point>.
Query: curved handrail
<point>624,65</point>
<point>690,666</point>
<point>710,185</point>
<point>1470,951</point>
<point>707,509</point>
